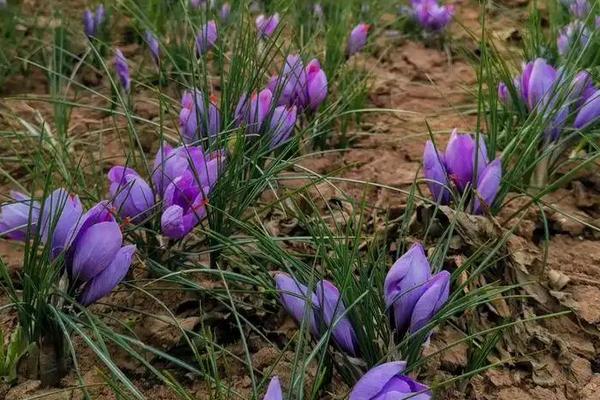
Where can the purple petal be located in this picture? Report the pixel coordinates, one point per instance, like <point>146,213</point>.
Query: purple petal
<point>282,125</point>
<point>317,85</point>
<point>266,26</point>
<point>435,295</point>
<point>19,217</point>
<point>404,284</point>
<point>357,39</point>
<point>488,186</point>
<point>207,38</point>
<point>109,278</point>
<point>589,113</point>
<point>95,250</point>
<point>122,70</point>
<point>435,171</point>
<point>274,390</point>
<point>89,24</point>
<point>332,309</point>
<point>541,83</point>
<point>373,382</point>
<point>293,297</point>
<point>61,213</point>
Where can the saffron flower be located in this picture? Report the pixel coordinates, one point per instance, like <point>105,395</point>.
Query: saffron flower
<point>464,163</point>
<point>504,94</point>
<point>225,12</point>
<point>430,15</point>
<point>206,38</point>
<point>569,35</point>
<point>274,390</point>
<point>320,310</point>
<point>253,111</point>
<point>412,294</point>
<point>295,298</point>
<point>199,117</point>
<point>387,382</point>
<point>97,258</point>
<point>281,125</point>
<point>122,70</point>
<point>357,39</point>
<point>20,217</point>
<point>130,193</point>
<point>332,311</point>
<point>539,89</point>
<point>56,218</point>
<point>303,87</point>
<point>92,21</point>
<point>184,177</point>
<point>318,11</point>
<point>260,116</point>
<point>184,206</point>
<point>171,163</point>
<point>589,113</point>
<point>580,8</point>
<point>154,46</point>
<point>266,25</point>
<point>59,215</point>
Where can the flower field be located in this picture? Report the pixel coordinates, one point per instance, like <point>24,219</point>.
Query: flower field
<point>321,200</point>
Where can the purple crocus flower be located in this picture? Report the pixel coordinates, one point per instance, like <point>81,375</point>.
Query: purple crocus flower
<point>488,186</point>
<point>580,9</point>
<point>154,46</point>
<point>316,85</point>
<point>434,295</point>
<point>185,177</point>
<point>89,24</point>
<point>274,391</point>
<point>207,38</point>
<point>122,70</point>
<point>387,382</point>
<point>432,16</point>
<point>60,213</point>
<point>92,21</point>
<point>318,11</point>
<point>184,203</point>
<point>357,39</point>
<point>130,193</point>
<point>537,82</point>
<point>266,26</point>
<point>581,86</point>
<point>97,257</point>
<point>332,312</point>
<point>171,163</point>
<point>294,297</point>
<point>589,113</point>
<point>225,12</point>
<point>462,153</point>
<point>464,161</point>
<point>281,125</point>
<point>198,3</point>
<point>19,217</point>
<point>100,16</point>
<point>504,94</point>
<point>568,36</point>
<point>303,87</point>
<point>290,87</point>
<point>194,119</point>
<point>404,284</point>
<point>253,111</point>
<point>435,172</point>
